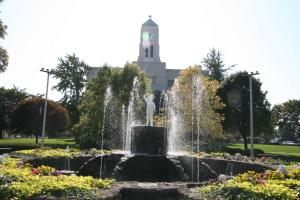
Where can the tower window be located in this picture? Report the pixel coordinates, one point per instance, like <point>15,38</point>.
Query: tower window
<point>151,51</point>
<point>146,52</point>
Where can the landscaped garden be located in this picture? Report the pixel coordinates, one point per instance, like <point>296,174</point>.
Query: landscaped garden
<point>20,180</point>
<point>145,132</point>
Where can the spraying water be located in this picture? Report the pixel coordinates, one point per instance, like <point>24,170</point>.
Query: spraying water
<point>178,123</point>
<point>67,160</point>
<point>133,111</point>
<point>175,121</point>
<point>197,98</point>
<point>107,99</point>
<point>123,128</point>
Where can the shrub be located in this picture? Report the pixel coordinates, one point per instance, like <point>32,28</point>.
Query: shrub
<point>19,181</point>
<point>48,152</point>
<point>270,185</point>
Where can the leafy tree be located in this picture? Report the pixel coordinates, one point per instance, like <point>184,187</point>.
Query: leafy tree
<point>213,64</point>
<point>27,118</point>
<point>286,117</point>
<point>9,98</point>
<point>71,72</point>
<point>3,52</point>
<point>198,102</point>
<point>88,130</point>
<point>234,92</point>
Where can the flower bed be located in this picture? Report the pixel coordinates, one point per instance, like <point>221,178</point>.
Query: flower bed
<point>282,184</point>
<point>49,152</point>
<point>22,181</point>
<point>239,157</point>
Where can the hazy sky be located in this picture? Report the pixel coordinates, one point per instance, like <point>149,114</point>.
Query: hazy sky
<point>257,35</point>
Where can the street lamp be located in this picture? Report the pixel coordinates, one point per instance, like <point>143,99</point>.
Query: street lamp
<point>251,113</point>
<point>45,107</point>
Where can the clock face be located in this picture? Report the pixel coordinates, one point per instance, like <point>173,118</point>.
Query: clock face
<point>146,39</point>
<point>146,36</point>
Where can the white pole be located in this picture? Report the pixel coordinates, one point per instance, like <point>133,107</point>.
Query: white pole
<point>251,114</point>
<point>251,119</point>
<point>45,112</point>
<point>45,107</point>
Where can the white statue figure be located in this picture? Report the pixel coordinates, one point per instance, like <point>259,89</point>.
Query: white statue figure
<point>150,108</point>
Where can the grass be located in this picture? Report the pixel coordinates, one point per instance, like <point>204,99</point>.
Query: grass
<point>273,149</point>
<point>57,142</point>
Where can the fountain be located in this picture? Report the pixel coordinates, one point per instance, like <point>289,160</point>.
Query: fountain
<point>148,160</point>
<point>154,160</point>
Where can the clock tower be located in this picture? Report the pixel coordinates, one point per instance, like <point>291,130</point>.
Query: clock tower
<point>149,59</point>
<point>149,42</point>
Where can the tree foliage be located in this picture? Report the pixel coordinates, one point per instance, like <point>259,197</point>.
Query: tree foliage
<point>198,102</point>
<point>234,92</point>
<point>214,65</point>
<point>88,130</point>
<point>71,72</point>
<point>286,117</point>
<point>27,118</point>
<point>9,99</point>
<point>3,52</point>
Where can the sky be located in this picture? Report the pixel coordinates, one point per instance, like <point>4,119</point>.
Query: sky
<point>255,35</point>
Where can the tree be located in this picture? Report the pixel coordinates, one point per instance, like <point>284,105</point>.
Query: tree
<point>89,129</point>
<point>213,64</point>
<point>9,99</point>
<point>197,101</point>
<point>234,92</point>
<point>71,72</point>
<point>286,117</point>
<point>3,52</point>
<point>27,118</point>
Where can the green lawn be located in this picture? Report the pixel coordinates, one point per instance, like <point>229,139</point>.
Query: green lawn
<point>273,149</point>
<point>59,142</point>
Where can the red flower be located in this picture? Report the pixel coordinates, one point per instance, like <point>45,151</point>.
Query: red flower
<point>34,171</point>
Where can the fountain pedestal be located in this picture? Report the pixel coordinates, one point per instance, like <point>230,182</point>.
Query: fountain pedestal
<point>149,140</point>
<point>149,160</point>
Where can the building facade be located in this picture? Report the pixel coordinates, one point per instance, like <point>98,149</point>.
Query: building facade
<point>149,59</point>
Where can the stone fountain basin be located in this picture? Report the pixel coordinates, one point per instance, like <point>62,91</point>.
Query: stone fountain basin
<point>90,166</point>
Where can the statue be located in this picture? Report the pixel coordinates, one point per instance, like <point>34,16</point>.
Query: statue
<point>150,108</point>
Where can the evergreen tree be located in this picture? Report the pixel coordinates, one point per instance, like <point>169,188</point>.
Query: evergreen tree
<point>214,65</point>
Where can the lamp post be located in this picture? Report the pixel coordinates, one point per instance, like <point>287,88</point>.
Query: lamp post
<point>251,113</point>
<point>45,107</point>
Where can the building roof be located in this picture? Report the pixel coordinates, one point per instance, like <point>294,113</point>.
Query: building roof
<point>149,22</point>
